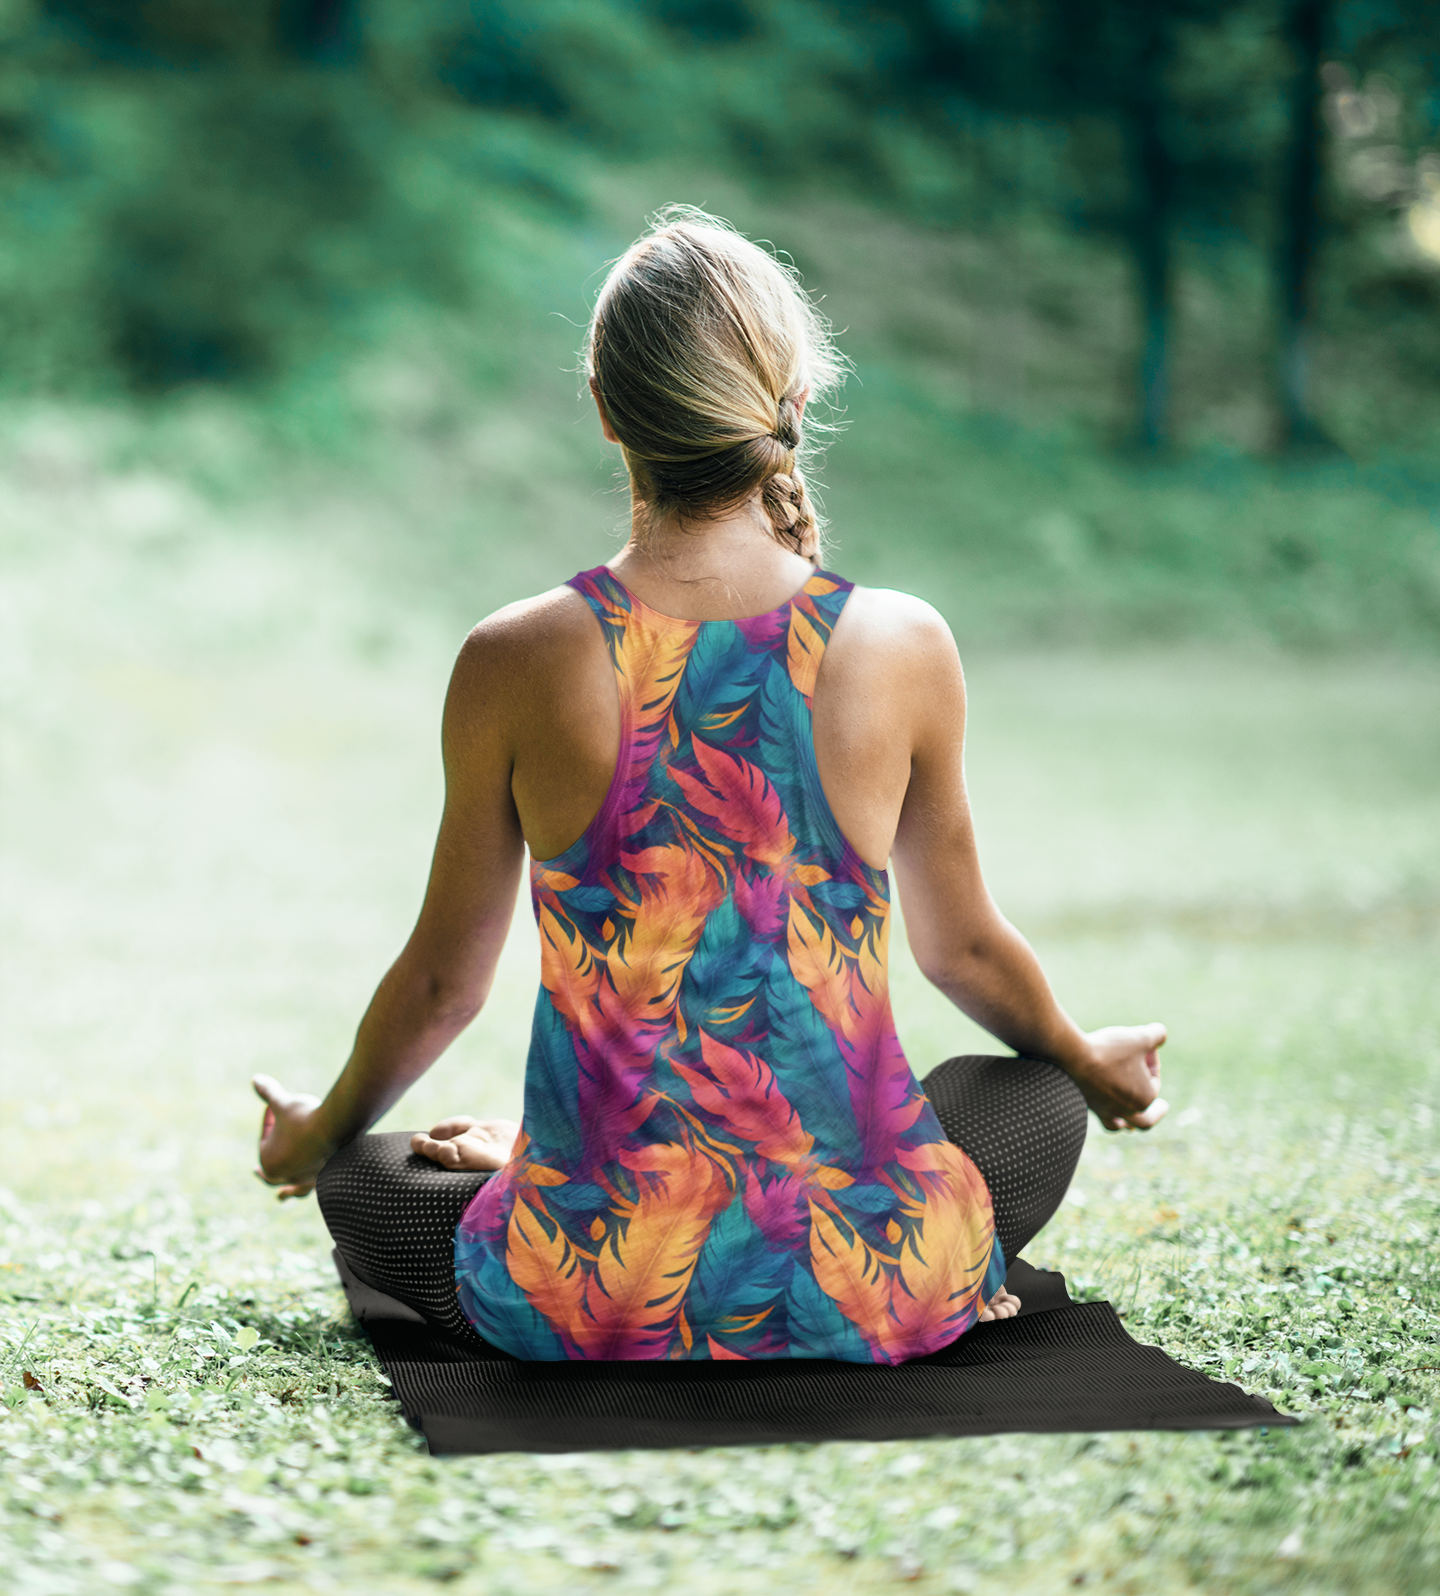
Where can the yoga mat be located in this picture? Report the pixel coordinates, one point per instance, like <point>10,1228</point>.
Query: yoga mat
<point>1057,1366</point>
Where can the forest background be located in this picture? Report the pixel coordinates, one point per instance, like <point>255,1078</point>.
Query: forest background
<point>1061,237</point>
<point>1143,304</point>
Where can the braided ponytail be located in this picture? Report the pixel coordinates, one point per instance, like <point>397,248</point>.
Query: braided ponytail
<point>792,515</point>
<point>705,350</point>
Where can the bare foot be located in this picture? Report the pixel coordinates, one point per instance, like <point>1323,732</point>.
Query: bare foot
<point>1003,1305</point>
<point>467,1143</point>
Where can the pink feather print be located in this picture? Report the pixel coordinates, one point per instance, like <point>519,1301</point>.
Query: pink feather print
<point>883,1091</point>
<point>762,632</point>
<point>741,803</point>
<point>741,1092</point>
<point>759,902</point>
<point>777,1208</point>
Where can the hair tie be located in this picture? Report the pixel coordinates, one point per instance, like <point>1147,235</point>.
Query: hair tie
<point>787,424</point>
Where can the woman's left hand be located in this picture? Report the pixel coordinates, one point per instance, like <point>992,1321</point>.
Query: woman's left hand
<point>292,1147</point>
<point>468,1143</point>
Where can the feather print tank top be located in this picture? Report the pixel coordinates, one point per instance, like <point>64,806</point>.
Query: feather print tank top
<point>724,1153</point>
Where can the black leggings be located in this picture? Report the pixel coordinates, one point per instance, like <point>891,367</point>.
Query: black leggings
<point>393,1214</point>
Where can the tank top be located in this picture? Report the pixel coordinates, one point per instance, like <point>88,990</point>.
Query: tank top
<point>724,1153</point>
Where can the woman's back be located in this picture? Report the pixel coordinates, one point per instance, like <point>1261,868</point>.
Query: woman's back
<point>539,675</point>
<point>723,1142</point>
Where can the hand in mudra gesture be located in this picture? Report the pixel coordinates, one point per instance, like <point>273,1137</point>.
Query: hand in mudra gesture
<point>292,1146</point>
<point>463,1142</point>
<point>1120,1079</point>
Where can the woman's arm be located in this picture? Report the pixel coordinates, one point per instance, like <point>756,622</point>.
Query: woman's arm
<point>443,975</point>
<point>965,945</point>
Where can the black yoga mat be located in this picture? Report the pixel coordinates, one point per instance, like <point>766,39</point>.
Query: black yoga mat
<point>1058,1365</point>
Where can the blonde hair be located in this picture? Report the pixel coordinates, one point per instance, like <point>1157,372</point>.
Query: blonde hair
<point>701,347</point>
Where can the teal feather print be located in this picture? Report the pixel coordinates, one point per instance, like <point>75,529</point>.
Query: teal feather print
<point>817,1327</point>
<point>737,1278</point>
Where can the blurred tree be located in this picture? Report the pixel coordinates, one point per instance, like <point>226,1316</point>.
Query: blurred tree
<point>202,192</point>
<point>161,33</point>
<point>318,30</point>
<point>1307,30</point>
<point>1143,96</point>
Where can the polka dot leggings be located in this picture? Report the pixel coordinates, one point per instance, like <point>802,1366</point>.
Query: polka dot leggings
<point>393,1214</point>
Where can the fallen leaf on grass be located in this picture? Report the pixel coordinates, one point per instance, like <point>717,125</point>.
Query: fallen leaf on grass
<point>31,1383</point>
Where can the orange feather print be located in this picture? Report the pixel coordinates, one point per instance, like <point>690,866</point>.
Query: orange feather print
<point>931,1293</point>
<point>942,1166</point>
<point>634,1295</point>
<point>541,1261</point>
<point>935,1292</point>
<point>679,886</point>
<point>650,661</point>
<point>818,963</point>
<point>540,1175</point>
<point>618,1001</point>
<point>568,967</point>
<point>851,993</point>
<point>805,649</point>
<point>615,1037</point>
<point>849,1272</point>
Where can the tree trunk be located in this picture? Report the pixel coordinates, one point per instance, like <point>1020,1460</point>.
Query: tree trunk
<point>1299,234</point>
<point>1152,173</point>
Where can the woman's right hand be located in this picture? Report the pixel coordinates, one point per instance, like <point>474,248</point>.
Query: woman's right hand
<point>1120,1076</point>
<point>293,1149</point>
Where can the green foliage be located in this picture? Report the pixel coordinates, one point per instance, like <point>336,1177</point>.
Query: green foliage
<point>241,215</point>
<point>265,197</point>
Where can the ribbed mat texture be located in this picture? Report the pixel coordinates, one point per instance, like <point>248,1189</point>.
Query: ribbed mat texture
<point>1058,1366</point>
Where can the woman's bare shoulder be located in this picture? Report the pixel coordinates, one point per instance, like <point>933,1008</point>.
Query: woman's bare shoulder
<point>515,635</point>
<point>905,627</point>
<point>515,661</point>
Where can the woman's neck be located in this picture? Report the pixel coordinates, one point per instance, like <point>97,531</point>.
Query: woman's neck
<point>713,570</point>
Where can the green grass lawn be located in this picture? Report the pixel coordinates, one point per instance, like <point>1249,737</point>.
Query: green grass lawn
<point>220,782</point>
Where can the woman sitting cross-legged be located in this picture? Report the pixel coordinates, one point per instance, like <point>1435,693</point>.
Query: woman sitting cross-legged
<point>712,749</point>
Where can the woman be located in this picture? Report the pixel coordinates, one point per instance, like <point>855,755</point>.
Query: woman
<point>711,749</point>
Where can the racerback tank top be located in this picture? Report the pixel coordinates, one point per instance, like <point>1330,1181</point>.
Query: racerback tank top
<point>724,1153</point>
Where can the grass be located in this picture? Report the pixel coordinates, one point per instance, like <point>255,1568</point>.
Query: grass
<point>220,784</point>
